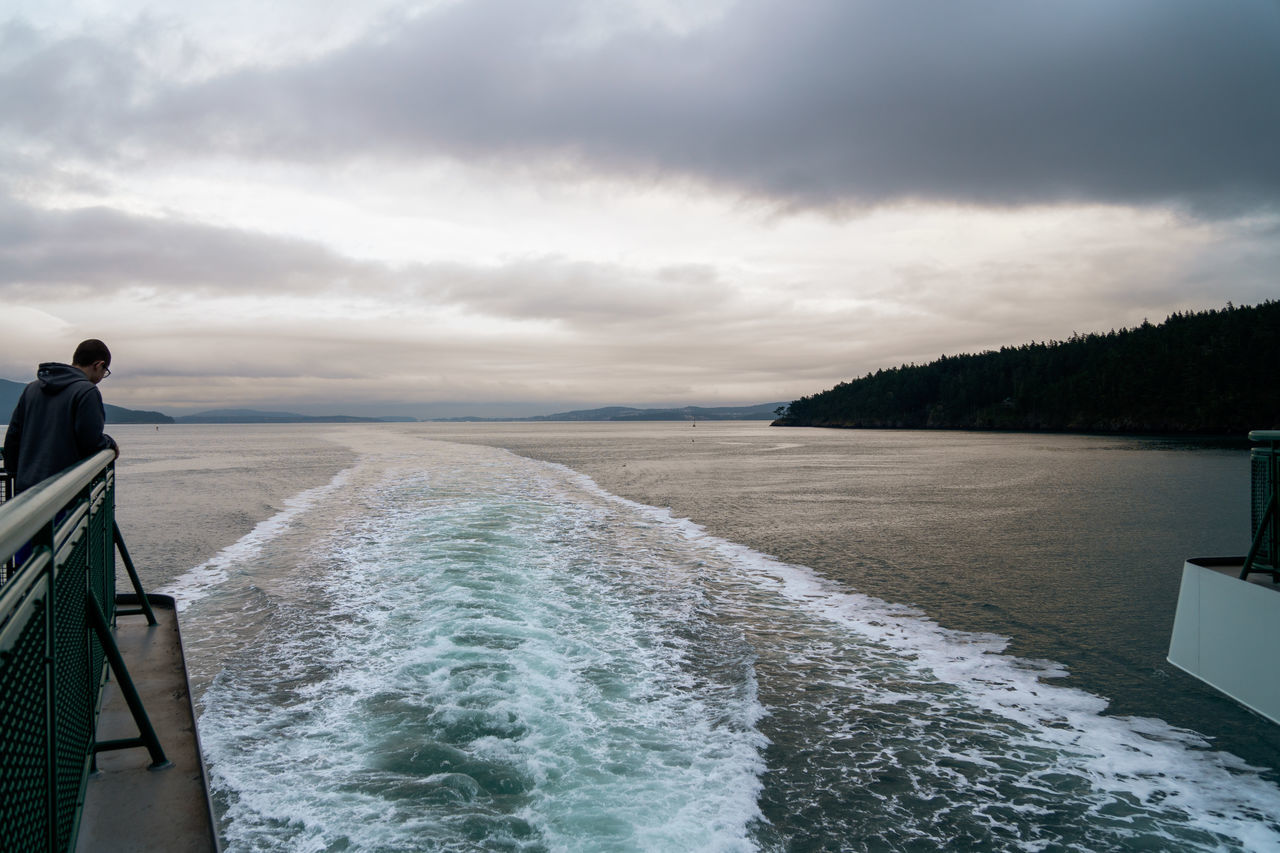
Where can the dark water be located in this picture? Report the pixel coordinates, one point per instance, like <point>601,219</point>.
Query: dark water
<point>1021,701</point>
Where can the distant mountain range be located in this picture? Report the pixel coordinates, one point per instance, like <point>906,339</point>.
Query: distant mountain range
<point>11,391</point>
<point>253,416</point>
<point>762,412</point>
<point>121,415</point>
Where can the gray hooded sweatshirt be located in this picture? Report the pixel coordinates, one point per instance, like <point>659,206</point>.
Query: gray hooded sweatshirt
<point>58,421</point>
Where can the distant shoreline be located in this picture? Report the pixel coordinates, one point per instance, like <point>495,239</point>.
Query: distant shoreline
<point>1209,437</point>
<point>624,414</point>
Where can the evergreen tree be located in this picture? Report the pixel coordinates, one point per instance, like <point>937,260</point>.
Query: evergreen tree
<point>1210,372</point>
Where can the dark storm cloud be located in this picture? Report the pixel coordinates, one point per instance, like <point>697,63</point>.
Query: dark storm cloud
<point>823,103</point>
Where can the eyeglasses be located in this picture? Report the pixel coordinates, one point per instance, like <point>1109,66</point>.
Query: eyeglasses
<point>106,371</point>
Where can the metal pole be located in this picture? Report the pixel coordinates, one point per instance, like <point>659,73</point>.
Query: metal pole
<point>1268,531</point>
<point>1268,518</point>
<point>147,733</point>
<point>133,577</point>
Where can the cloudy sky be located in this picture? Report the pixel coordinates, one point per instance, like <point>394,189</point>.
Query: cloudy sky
<point>441,207</point>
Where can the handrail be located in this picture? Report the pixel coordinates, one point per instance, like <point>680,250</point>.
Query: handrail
<point>56,644</point>
<point>24,515</point>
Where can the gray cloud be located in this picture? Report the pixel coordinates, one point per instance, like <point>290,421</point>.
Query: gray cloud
<point>97,251</point>
<point>73,92</point>
<point>560,329</point>
<point>550,329</point>
<point>825,103</point>
<point>588,295</point>
<point>101,250</point>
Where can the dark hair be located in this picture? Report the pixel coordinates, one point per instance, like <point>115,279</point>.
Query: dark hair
<point>90,351</point>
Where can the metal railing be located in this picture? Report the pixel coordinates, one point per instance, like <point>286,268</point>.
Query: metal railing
<point>58,542</point>
<point>1264,553</point>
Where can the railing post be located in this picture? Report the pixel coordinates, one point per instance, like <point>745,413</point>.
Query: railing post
<point>40,543</point>
<point>6,494</point>
<point>133,578</point>
<point>147,733</point>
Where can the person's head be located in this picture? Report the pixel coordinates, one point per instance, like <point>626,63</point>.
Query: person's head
<point>93,357</point>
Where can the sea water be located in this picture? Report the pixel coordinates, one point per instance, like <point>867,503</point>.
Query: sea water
<point>448,646</point>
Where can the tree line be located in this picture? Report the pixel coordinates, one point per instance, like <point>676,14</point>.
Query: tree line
<point>1213,372</point>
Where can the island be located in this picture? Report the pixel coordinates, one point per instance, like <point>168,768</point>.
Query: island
<point>1200,373</point>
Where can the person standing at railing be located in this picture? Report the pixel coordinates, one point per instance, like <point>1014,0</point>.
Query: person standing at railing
<point>59,417</point>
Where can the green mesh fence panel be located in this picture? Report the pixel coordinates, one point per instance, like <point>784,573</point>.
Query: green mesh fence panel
<point>103,537</point>
<point>49,702</point>
<point>1261,460</point>
<point>25,741</point>
<point>74,684</point>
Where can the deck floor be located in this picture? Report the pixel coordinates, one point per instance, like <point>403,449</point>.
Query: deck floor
<point>1231,566</point>
<point>127,806</point>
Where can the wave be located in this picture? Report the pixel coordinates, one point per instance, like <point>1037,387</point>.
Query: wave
<point>1040,750</point>
<point>196,583</point>
<point>481,650</point>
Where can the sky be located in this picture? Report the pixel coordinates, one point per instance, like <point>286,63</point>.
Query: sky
<point>517,207</point>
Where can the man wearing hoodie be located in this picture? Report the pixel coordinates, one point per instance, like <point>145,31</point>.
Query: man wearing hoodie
<point>59,417</point>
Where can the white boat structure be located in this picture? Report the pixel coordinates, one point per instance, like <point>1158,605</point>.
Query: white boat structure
<point>1228,618</point>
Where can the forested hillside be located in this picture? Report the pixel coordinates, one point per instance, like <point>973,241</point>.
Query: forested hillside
<point>1212,372</point>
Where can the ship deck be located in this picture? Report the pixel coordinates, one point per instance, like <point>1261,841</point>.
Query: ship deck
<point>1231,567</point>
<point>128,806</point>
<point>1220,627</point>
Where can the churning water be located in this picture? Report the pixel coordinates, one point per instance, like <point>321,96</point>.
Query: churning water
<point>452,647</point>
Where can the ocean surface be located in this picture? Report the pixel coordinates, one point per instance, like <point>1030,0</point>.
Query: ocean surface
<point>722,637</point>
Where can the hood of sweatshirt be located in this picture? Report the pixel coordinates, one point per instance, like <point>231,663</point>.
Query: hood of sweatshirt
<point>56,378</point>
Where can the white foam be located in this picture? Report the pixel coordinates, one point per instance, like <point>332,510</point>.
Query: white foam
<point>498,612</point>
<point>1172,771</point>
<point>591,702</point>
<point>1144,758</point>
<point>196,582</point>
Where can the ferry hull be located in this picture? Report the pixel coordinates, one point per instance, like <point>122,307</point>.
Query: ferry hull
<point>1226,630</point>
